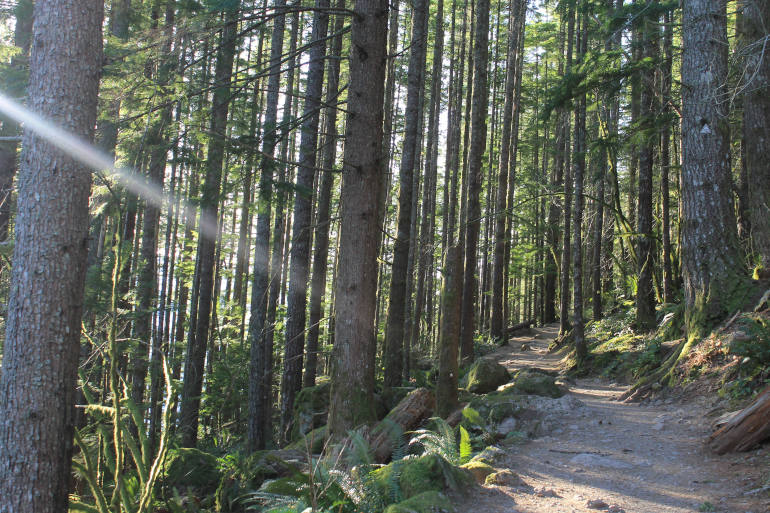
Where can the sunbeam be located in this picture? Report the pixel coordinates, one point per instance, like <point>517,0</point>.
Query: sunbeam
<point>87,154</point>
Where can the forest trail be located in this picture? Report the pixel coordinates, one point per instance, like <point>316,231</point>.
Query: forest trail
<point>637,458</point>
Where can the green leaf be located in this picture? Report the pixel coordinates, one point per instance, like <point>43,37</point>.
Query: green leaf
<point>465,445</point>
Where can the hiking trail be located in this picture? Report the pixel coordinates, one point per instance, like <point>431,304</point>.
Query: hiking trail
<point>635,457</point>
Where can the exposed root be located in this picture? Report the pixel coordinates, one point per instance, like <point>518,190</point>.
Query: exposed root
<point>660,377</point>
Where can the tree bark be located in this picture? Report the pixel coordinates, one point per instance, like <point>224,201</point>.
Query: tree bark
<point>40,360</point>
<point>356,290</point>
<point>261,274</point>
<point>394,330</point>
<point>301,225</point>
<point>645,242</point>
<point>498,266</point>
<point>406,416</point>
<point>744,430</point>
<point>476,152</point>
<point>451,302</point>
<point>712,267</point>
<point>756,124</point>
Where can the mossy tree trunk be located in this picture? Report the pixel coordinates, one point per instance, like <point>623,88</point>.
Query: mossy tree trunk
<point>711,263</point>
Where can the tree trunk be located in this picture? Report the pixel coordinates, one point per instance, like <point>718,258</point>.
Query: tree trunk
<point>147,287</point>
<point>301,226</point>
<point>498,266</point>
<point>451,299</point>
<point>356,294</point>
<point>645,242</point>
<point>565,149</point>
<point>40,360</point>
<point>665,156</point>
<point>578,329</point>
<point>209,204</point>
<point>323,224</point>
<point>476,152</point>
<point>712,267</point>
<point>261,274</point>
<point>394,330</point>
<point>756,125</point>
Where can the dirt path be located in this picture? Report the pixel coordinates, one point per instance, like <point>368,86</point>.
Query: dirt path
<point>638,458</point>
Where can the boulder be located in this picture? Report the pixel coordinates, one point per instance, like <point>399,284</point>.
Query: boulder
<point>479,470</point>
<point>416,474</point>
<point>191,468</point>
<point>426,502</point>
<point>505,478</point>
<point>311,408</point>
<point>486,375</point>
<point>532,382</point>
<point>491,455</point>
<point>314,441</point>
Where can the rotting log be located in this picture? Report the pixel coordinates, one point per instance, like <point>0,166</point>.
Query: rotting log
<point>746,429</point>
<point>406,416</point>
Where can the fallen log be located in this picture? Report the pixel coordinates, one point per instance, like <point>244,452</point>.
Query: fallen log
<point>510,330</point>
<point>406,416</point>
<point>745,429</point>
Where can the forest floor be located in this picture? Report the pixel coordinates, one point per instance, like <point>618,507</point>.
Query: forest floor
<point>637,458</point>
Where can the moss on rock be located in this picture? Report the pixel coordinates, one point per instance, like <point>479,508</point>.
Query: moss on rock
<point>191,468</point>
<point>294,486</point>
<point>504,478</point>
<point>485,375</point>
<point>314,440</point>
<point>530,382</point>
<point>479,470</point>
<point>413,475</point>
<point>311,408</point>
<point>426,502</point>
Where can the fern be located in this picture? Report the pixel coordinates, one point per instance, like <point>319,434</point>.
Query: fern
<point>441,442</point>
<point>465,445</point>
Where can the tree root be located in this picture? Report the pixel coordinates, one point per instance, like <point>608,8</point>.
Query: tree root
<point>660,377</point>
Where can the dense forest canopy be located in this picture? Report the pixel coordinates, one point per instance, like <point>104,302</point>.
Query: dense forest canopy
<point>268,203</point>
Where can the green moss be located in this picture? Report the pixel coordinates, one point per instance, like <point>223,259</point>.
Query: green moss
<point>490,455</point>
<point>711,307</point>
<point>311,408</point>
<point>294,486</point>
<point>426,502</point>
<point>529,382</point>
<point>413,475</point>
<point>191,468</point>
<point>486,375</point>
<point>478,469</point>
<point>314,440</point>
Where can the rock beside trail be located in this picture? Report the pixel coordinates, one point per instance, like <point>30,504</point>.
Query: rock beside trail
<point>505,478</point>
<point>479,470</point>
<point>486,375</point>
<point>414,475</point>
<point>532,382</point>
<point>597,504</point>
